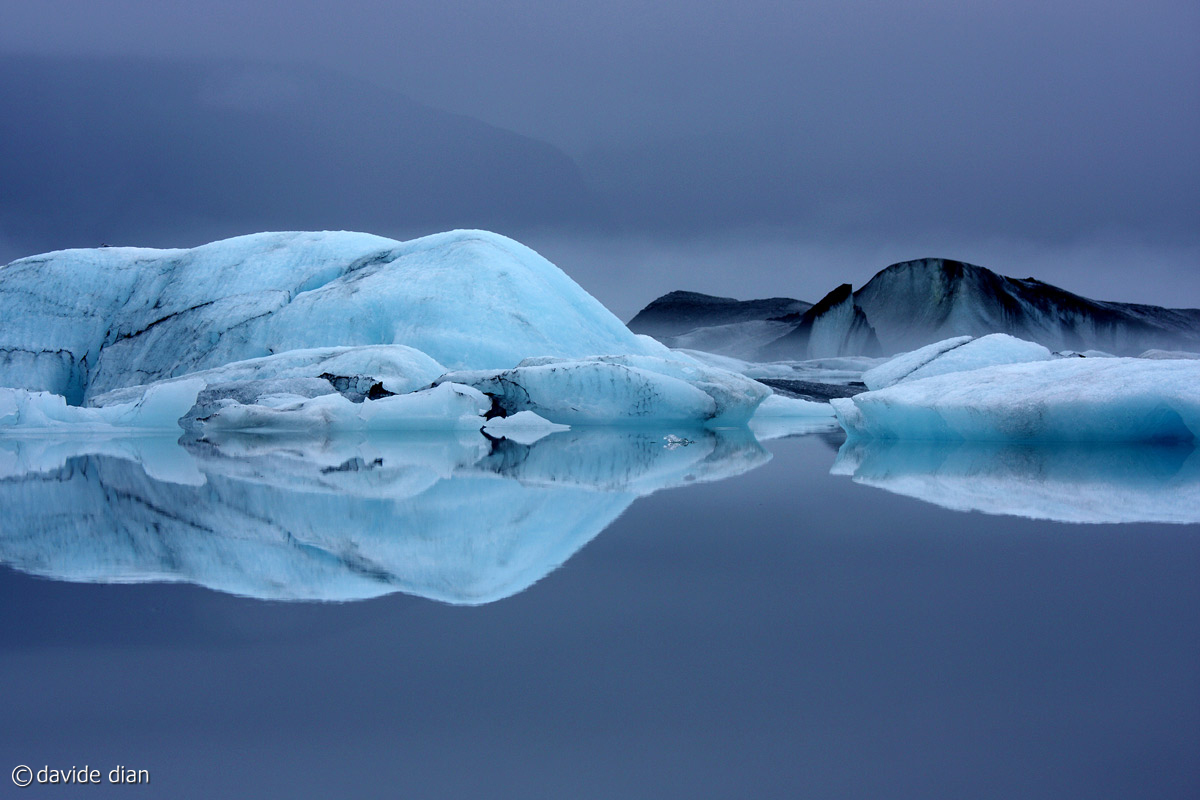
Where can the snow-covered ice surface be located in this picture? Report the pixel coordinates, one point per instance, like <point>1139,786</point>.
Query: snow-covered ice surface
<point>1065,400</point>
<point>454,517</point>
<point>82,322</point>
<point>960,354</point>
<point>1067,483</point>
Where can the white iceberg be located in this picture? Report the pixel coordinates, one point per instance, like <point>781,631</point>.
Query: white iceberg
<point>1072,400</point>
<point>79,323</point>
<point>960,354</point>
<point>340,332</point>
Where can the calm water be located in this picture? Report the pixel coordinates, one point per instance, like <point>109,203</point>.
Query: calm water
<point>601,616</point>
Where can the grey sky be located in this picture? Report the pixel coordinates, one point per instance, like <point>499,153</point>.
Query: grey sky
<point>1061,135</point>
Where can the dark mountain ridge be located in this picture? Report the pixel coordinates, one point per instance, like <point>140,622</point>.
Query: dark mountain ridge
<point>914,303</point>
<point>679,312</point>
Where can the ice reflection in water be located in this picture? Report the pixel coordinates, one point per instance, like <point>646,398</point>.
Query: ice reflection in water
<point>1062,482</point>
<point>466,519</point>
<point>461,519</point>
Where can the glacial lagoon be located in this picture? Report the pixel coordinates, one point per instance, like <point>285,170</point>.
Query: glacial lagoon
<point>629,613</point>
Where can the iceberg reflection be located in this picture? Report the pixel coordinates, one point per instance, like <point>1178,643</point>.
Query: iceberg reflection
<point>459,518</point>
<point>1063,482</point>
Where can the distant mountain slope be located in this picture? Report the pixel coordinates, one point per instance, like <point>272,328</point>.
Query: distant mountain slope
<point>167,153</point>
<point>835,326</point>
<point>738,328</point>
<point>912,304</point>
<point>677,312</point>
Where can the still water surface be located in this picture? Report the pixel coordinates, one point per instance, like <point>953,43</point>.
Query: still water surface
<point>601,615</point>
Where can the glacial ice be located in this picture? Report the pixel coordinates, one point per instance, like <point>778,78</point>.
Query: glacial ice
<point>159,407</point>
<point>83,322</point>
<point>621,390</point>
<point>780,416</point>
<point>343,331</point>
<point>1083,483</point>
<point>297,391</point>
<point>959,354</point>
<point>448,406</point>
<point>1065,400</point>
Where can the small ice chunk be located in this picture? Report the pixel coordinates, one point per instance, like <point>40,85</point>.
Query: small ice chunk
<point>959,354</point>
<point>524,427</point>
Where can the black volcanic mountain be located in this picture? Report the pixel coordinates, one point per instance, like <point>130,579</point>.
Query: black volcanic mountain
<point>166,153</point>
<point>835,326</point>
<point>737,328</point>
<point>915,303</point>
<point>679,312</point>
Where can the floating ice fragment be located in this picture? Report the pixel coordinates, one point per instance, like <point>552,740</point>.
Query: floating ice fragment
<point>959,354</point>
<point>1073,400</point>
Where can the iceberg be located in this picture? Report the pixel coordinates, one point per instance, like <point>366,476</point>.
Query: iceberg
<point>959,354</point>
<point>339,332</point>
<point>79,323</point>
<point>299,391</point>
<point>1080,483</point>
<point>1064,400</point>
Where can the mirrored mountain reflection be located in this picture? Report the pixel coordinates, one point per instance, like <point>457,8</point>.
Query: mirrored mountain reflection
<point>458,518</point>
<point>1063,482</point>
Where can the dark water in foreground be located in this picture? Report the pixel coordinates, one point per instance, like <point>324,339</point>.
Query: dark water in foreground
<point>783,632</point>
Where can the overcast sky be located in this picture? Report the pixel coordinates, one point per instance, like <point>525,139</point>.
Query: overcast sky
<point>798,144</point>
